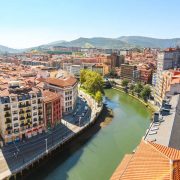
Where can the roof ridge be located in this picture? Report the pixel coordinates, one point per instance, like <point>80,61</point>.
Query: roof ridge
<point>153,145</point>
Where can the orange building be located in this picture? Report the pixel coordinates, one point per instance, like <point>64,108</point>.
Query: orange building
<point>150,161</point>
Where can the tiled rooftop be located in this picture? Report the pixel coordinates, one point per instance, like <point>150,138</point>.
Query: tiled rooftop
<point>150,161</point>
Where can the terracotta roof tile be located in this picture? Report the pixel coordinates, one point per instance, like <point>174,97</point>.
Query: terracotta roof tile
<point>49,96</point>
<point>70,81</point>
<point>150,161</point>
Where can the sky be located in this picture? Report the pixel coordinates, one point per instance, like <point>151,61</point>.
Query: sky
<point>28,23</point>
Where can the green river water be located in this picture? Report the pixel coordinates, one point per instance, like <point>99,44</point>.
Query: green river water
<point>99,156</point>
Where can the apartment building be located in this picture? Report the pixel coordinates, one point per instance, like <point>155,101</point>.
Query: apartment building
<point>129,72</point>
<point>167,59</point>
<point>67,88</point>
<point>145,75</point>
<point>170,83</point>
<point>21,111</point>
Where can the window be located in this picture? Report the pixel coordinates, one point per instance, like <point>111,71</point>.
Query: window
<point>16,125</point>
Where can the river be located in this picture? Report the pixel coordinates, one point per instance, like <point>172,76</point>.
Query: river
<point>97,158</point>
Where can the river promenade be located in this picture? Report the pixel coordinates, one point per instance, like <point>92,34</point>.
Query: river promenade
<point>16,157</point>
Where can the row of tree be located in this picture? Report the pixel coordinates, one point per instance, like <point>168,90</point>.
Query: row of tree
<point>143,91</point>
<point>92,82</point>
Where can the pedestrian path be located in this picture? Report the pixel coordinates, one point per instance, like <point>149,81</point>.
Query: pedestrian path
<point>71,126</point>
<point>4,169</point>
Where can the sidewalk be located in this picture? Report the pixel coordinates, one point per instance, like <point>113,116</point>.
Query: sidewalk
<point>71,126</point>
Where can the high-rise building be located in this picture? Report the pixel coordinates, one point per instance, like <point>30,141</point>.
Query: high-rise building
<point>168,59</point>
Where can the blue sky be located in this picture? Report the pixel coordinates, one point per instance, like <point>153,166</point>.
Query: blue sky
<point>26,23</point>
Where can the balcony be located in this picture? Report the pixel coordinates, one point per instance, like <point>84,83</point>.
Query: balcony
<point>40,118</point>
<point>35,125</point>
<point>35,119</point>
<point>7,115</point>
<point>21,106</point>
<point>40,107</point>
<point>21,112</point>
<point>28,110</point>
<point>22,125</point>
<point>40,113</point>
<point>28,116</point>
<point>7,109</point>
<point>29,122</point>
<point>15,119</point>
<point>9,128</point>
<point>22,118</point>
<point>8,120</point>
<point>39,101</point>
<point>27,104</point>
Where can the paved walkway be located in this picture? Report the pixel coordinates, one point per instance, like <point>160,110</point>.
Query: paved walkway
<point>4,169</point>
<point>161,133</point>
<point>74,128</point>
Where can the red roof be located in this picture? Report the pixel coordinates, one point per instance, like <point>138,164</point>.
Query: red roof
<point>150,161</point>
<point>70,81</point>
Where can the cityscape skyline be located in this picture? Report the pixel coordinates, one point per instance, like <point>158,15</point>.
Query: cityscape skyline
<point>35,23</point>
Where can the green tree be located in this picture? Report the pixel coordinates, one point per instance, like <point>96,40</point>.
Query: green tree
<point>91,81</point>
<point>138,88</point>
<point>98,97</point>
<point>146,92</point>
<point>83,76</point>
<point>125,83</point>
<point>131,87</point>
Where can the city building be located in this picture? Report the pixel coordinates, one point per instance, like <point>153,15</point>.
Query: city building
<point>145,75</point>
<point>21,111</point>
<point>67,88</point>
<point>101,68</point>
<point>52,108</point>
<point>129,72</point>
<point>167,59</point>
<point>170,83</point>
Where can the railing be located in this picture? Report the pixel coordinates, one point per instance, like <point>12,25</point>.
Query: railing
<point>7,115</point>
<point>6,108</point>
<point>8,120</point>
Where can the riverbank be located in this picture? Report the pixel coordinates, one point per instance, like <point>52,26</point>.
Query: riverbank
<point>60,155</point>
<point>147,104</point>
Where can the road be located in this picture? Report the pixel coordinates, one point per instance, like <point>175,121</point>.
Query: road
<point>20,153</point>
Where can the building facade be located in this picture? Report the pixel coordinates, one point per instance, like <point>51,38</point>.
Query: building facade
<point>168,59</point>
<point>52,108</point>
<point>21,112</point>
<point>67,88</point>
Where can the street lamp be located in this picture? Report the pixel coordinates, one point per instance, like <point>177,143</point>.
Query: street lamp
<point>46,145</point>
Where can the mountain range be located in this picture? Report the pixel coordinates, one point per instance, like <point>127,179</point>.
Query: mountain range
<point>125,42</point>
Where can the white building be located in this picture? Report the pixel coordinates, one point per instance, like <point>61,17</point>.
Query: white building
<point>67,88</point>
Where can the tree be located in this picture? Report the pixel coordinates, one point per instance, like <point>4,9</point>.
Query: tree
<point>91,81</point>
<point>146,92</point>
<point>83,76</point>
<point>98,97</point>
<point>125,83</point>
<point>138,88</point>
<point>131,87</point>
